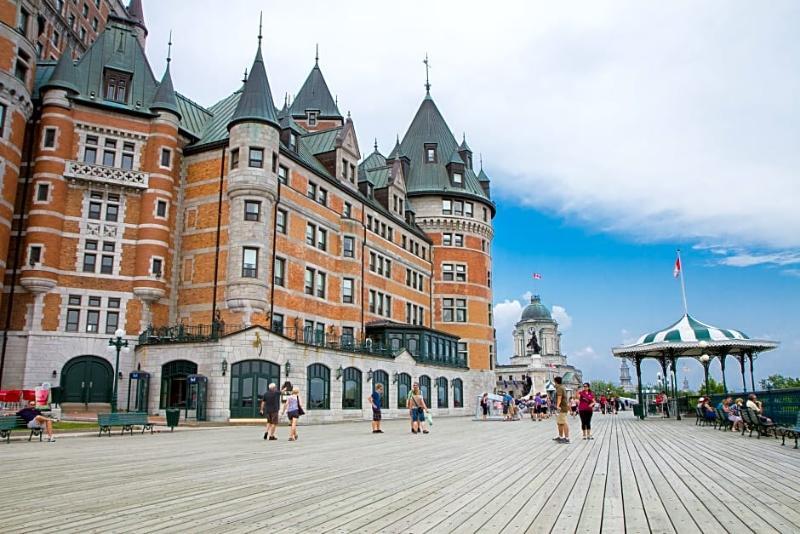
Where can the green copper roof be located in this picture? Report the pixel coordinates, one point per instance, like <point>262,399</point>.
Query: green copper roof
<point>373,161</point>
<point>288,123</point>
<point>428,126</point>
<point>65,75</point>
<point>464,146</point>
<point>165,94</point>
<point>256,102</point>
<point>455,157</point>
<point>315,95</point>
<point>323,141</point>
<point>193,116</point>
<point>482,176</point>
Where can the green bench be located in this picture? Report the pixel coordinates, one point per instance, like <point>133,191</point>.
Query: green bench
<point>126,420</point>
<point>15,422</point>
<point>790,432</point>
<point>752,422</point>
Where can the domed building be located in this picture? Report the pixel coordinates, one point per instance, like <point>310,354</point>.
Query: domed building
<point>537,355</point>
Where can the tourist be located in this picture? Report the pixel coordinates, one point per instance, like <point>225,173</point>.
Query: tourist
<point>507,399</point>
<point>485,406</point>
<point>512,407</point>
<point>36,421</point>
<point>562,404</point>
<point>754,404</point>
<point>586,409</point>
<point>375,399</point>
<point>708,411</point>
<point>271,404</point>
<point>727,408</point>
<point>603,401</point>
<point>665,404</point>
<point>417,406</point>
<point>573,407</point>
<point>736,414</point>
<point>411,411</point>
<point>293,411</point>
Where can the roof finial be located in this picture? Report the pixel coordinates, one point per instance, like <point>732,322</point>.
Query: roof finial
<point>244,80</point>
<point>286,99</point>
<point>316,57</point>
<point>348,113</point>
<point>336,100</point>
<point>398,138</point>
<point>427,78</point>
<point>169,48</point>
<point>480,155</point>
<point>260,20</point>
<point>376,144</point>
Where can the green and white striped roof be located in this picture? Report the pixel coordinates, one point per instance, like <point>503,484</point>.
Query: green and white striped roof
<point>690,329</point>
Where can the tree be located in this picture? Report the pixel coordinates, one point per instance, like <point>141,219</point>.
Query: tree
<point>714,387</point>
<point>779,382</point>
<point>602,387</point>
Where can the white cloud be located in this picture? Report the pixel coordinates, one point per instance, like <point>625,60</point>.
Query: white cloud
<point>587,351</point>
<point>564,319</point>
<point>506,315</point>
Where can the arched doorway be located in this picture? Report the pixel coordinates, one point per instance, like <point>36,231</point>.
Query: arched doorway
<point>173,383</point>
<point>249,381</point>
<point>87,379</point>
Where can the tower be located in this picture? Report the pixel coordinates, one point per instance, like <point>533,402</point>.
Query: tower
<point>625,376</point>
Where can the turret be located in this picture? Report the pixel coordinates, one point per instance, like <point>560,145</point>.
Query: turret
<point>136,16</point>
<point>314,107</point>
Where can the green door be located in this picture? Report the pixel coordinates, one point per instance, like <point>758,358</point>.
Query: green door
<point>87,379</point>
<point>249,381</point>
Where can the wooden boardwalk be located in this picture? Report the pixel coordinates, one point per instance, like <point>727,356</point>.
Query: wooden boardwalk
<point>652,476</point>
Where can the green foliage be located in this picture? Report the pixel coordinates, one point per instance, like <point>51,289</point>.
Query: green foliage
<point>713,387</point>
<point>779,382</point>
<point>601,387</point>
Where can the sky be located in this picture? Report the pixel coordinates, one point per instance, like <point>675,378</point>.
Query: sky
<point>614,134</point>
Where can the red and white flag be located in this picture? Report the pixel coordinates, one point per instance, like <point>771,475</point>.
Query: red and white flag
<point>537,276</point>
<point>677,270</point>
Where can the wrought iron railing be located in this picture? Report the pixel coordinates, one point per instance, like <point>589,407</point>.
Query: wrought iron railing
<point>780,405</point>
<point>181,333</point>
<point>107,175</point>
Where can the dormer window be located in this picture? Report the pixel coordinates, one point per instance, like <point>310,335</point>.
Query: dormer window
<point>458,179</point>
<point>117,85</point>
<point>311,117</point>
<point>430,153</point>
<point>293,141</point>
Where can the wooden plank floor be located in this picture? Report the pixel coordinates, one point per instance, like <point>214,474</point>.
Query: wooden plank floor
<point>466,476</point>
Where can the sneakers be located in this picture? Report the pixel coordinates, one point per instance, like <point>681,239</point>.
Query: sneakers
<point>51,440</point>
<point>266,435</point>
<point>272,438</point>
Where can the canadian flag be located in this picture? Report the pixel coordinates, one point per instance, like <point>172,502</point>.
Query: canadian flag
<point>677,270</point>
<point>537,276</point>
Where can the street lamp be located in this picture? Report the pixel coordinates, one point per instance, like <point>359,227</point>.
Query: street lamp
<point>117,344</point>
<point>704,359</point>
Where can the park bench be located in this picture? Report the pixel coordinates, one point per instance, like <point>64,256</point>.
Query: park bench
<point>752,422</point>
<point>722,422</point>
<point>126,420</point>
<point>699,418</point>
<point>790,432</point>
<point>15,422</point>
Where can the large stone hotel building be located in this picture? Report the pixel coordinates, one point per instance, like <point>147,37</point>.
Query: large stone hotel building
<point>236,244</point>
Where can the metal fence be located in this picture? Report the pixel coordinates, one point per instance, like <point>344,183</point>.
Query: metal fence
<point>196,333</point>
<point>780,405</point>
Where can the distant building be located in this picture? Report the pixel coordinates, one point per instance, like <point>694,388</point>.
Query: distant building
<point>625,377</point>
<point>537,355</point>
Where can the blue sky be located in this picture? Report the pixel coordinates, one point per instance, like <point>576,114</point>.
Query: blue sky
<point>614,133</point>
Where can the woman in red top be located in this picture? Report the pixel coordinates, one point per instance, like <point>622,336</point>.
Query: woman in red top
<point>585,410</point>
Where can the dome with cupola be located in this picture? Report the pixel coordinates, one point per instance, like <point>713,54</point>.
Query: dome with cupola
<point>536,311</point>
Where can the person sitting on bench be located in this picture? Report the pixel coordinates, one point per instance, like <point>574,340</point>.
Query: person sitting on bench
<point>754,404</point>
<point>35,420</point>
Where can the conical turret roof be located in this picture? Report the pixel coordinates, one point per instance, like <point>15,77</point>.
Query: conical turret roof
<point>256,102</point>
<point>482,177</point>
<point>136,13</point>
<point>315,95</point>
<point>464,146</point>
<point>65,75</point>
<point>165,95</point>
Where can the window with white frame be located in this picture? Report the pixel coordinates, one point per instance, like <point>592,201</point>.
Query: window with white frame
<point>42,193</point>
<point>281,220</point>
<point>315,282</point>
<point>311,117</point>
<point>349,246</point>
<point>161,208</point>
<point>252,210</point>
<point>92,314</point>
<point>454,310</point>
<point>103,206</point>
<point>454,272</point>
<point>347,290</point>
<point>34,255</point>
<point>283,174</point>
<point>463,351</point>
<point>256,158</point>
<point>157,267</point>
<point>279,276</point>
<point>49,137</point>
<point>166,158</point>
<point>316,237</point>
<point>250,262</point>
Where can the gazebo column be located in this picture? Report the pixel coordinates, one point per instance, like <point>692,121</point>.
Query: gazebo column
<point>674,364</point>
<point>741,358</point>
<point>722,366</point>
<point>663,361</point>
<point>642,407</point>
<point>752,380</point>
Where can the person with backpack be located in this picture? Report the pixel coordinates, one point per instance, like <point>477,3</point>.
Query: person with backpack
<point>293,411</point>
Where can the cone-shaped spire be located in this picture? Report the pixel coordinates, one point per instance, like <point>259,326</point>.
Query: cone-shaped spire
<point>165,95</point>
<point>315,95</point>
<point>464,146</point>
<point>136,13</point>
<point>65,75</point>
<point>397,151</point>
<point>256,103</point>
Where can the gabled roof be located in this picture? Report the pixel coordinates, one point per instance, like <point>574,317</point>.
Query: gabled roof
<point>373,161</point>
<point>255,103</point>
<point>322,141</point>
<point>315,95</point>
<point>428,126</point>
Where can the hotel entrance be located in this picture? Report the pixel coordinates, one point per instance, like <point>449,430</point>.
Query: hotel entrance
<point>249,381</point>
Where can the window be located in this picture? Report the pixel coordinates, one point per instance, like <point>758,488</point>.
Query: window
<point>454,310</point>
<point>347,290</point>
<point>73,318</point>
<point>425,389</point>
<point>458,179</point>
<point>112,211</point>
<point>42,192</point>
<point>349,245</point>
<point>458,207</point>
<point>351,389</point>
<point>281,217</point>
<point>113,302</point>
<point>319,387</point>
<point>83,34</point>
<point>485,215</point>
<point>21,68</point>
<point>157,267</point>
<point>430,153</point>
<point>107,264</point>
<point>109,152</point>
<point>491,318</point>
<point>461,273</point>
<point>322,197</point>
<point>89,258</point>
<point>311,233</point>
<point>235,158</point>
<point>447,207</point>
<point>127,156</point>
<point>94,24</point>
<point>85,11</point>
<point>441,392</point>
<point>458,393</point>
<point>252,210</point>
<point>279,276</point>
<point>403,389</point>
<point>249,262</point>
<point>488,278</point>
<point>275,162</point>
<point>458,240</point>
<point>112,322</point>
<point>90,152</point>
<point>344,169</point>
<point>277,322</point>
<point>283,174</point>
<point>311,191</point>
<point>468,207</point>
<point>161,208</point>
<point>308,286</point>
<point>49,137</point>
<point>352,173</point>
<point>321,284</point>
<point>322,239</point>
<point>116,84</point>
<point>447,240</point>
<point>55,38</point>
<point>256,158</point>
<point>23,21</point>
<point>372,297</point>
<point>293,141</point>
<point>35,255</point>
<point>348,336</point>
<point>166,158</point>
<point>92,321</point>
<point>311,116</point>
<point>463,352</point>
<point>348,210</point>
<point>3,111</point>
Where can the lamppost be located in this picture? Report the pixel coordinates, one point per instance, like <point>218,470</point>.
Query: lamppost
<point>117,344</point>
<point>705,359</point>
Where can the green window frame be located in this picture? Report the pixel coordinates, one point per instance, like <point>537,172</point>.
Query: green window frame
<point>441,392</point>
<point>403,389</point>
<point>382,377</point>
<point>319,387</point>
<point>351,389</point>
<point>458,393</point>
<point>425,389</point>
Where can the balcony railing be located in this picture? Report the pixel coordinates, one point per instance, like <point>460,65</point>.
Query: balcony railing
<point>197,333</point>
<point>90,172</point>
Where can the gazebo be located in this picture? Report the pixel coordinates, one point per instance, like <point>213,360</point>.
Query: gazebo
<point>690,338</point>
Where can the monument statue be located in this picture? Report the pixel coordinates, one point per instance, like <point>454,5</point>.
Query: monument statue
<point>533,343</point>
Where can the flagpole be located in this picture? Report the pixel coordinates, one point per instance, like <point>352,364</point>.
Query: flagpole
<point>683,284</point>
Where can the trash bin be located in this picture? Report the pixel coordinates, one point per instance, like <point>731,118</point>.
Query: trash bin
<point>173,416</point>
<point>637,410</point>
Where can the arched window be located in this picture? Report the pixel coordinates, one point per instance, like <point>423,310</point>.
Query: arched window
<point>173,383</point>
<point>382,377</point>
<point>319,387</point>
<point>441,389</point>
<point>425,389</point>
<point>403,389</point>
<point>351,393</point>
<point>458,393</point>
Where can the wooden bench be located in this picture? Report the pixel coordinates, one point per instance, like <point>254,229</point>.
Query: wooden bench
<point>753,422</point>
<point>15,422</point>
<point>790,432</point>
<point>126,420</point>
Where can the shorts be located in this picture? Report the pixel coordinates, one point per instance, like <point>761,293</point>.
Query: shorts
<point>541,409</point>
<point>294,414</point>
<point>418,414</point>
<point>505,409</point>
<point>562,418</point>
<point>32,424</point>
<point>376,414</point>
<point>272,418</point>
